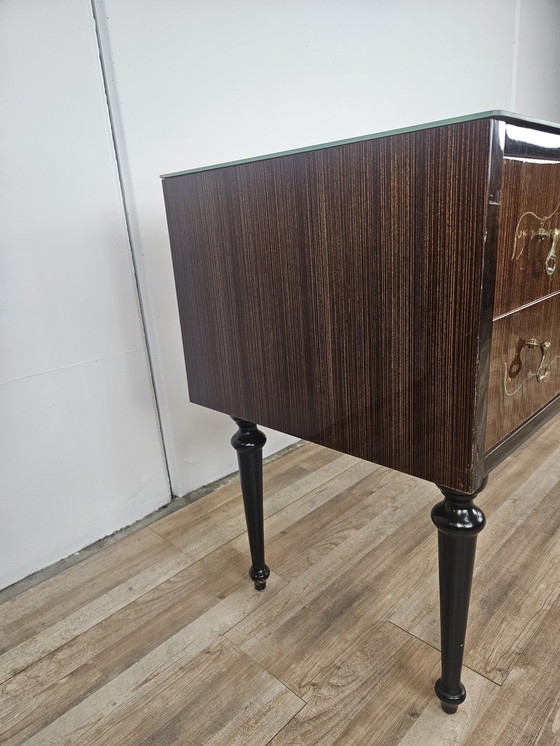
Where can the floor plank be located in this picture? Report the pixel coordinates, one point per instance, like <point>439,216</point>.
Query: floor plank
<point>52,600</point>
<point>380,690</point>
<point>68,674</point>
<point>219,696</point>
<point>46,616</point>
<point>526,709</point>
<point>157,669</point>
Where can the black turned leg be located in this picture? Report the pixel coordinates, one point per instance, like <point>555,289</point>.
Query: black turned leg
<point>248,441</point>
<point>458,522</point>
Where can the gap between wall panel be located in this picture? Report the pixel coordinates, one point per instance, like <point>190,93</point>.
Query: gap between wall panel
<point>106,65</point>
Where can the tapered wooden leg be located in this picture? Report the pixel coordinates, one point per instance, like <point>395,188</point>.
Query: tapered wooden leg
<point>458,522</point>
<point>248,441</point>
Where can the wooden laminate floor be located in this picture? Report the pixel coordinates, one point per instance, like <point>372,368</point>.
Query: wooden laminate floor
<point>160,639</point>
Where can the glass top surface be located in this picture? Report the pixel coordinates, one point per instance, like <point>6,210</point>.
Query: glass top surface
<point>495,114</point>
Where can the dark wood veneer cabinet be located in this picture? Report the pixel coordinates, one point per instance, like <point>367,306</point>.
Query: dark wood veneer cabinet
<point>395,297</point>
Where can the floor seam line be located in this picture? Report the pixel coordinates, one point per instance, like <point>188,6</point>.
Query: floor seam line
<point>429,644</point>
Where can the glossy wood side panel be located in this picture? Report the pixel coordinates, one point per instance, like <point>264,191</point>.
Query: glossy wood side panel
<point>336,295</point>
<point>530,190</point>
<point>524,376</point>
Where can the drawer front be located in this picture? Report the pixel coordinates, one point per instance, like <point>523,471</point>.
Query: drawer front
<point>528,234</point>
<point>524,367</point>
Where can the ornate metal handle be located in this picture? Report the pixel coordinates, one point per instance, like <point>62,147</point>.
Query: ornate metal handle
<point>542,374</point>
<point>526,235</point>
<point>550,261</point>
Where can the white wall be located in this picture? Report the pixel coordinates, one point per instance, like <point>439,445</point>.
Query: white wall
<point>195,83</point>
<point>80,445</point>
<point>537,73</point>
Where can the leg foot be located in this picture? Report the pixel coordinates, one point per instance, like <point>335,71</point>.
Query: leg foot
<point>459,522</point>
<point>248,441</point>
<point>450,701</point>
<point>449,709</point>
<point>259,578</point>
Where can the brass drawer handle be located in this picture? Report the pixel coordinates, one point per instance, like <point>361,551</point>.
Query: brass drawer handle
<point>551,261</point>
<point>542,374</point>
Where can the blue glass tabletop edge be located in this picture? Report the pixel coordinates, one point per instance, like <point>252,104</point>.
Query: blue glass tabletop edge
<point>493,114</point>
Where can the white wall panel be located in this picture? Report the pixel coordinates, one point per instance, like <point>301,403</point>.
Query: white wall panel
<point>538,60</point>
<point>65,282</point>
<point>80,450</point>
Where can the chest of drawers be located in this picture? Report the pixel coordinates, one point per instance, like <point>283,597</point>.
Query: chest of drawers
<point>394,297</point>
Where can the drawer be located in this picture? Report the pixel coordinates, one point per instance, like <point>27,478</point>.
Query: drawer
<point>524,366</point>
<point>528,233</point>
